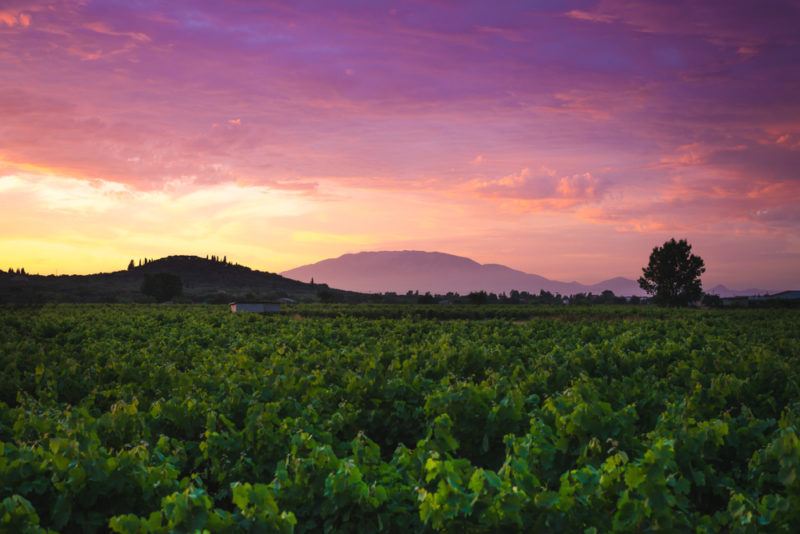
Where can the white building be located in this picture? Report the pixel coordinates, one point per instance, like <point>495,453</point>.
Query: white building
<point>255,307</point>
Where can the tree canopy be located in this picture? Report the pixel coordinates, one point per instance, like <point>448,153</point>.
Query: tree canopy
<point>673,274</point>
<point>162,286</point>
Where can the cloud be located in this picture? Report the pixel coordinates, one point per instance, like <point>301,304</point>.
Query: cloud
<point>305,236</point>
<point>747,51</point>
<point>758,161</point>
<point>55,193</point>
<point>684,113</point>
<point>589,16</point>
<point>699,202</point>
<point>740,24</point>
<point>11,19</point>
<point>543,190</point>
<point>510,34</point>
<point>578,186</point>
<point>741,160</point>
<point>104,29</point>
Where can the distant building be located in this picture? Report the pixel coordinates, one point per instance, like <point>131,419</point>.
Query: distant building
<point>790,297</point>
<point>255,307</point>
<point>736,302</point>
<point>783,295</point>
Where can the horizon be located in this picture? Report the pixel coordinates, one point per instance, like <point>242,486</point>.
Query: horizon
<point>234,262</point>
<point>562,139</point>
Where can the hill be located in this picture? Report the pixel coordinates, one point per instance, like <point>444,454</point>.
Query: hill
<point>726,292</point>
<point>441,273</point>
<point>203,281</point>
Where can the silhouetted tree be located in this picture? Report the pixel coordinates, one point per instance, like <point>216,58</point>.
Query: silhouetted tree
<point>607,297</point>
<point>224,259</point>
<point>478,297</point>
<point>131,266</point>
<point>427,298</point>
<point>545,297</point>
<point>162,286</point>
<point>673,274</point>
<point>712,301</point>
<point>578,298</point>
<point>312,280</point>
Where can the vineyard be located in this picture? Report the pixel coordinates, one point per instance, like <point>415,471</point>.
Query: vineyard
<point>146,418</point>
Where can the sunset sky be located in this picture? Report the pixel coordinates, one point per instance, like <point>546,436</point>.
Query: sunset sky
<point>564,139</point>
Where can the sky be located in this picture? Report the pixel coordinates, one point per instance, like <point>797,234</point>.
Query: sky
<point>565,139</point>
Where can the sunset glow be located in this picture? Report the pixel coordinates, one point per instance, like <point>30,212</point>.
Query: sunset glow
<point>559,138</point>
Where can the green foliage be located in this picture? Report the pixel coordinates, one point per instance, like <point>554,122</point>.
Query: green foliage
<point>18,515</point>
<point>145,419</point>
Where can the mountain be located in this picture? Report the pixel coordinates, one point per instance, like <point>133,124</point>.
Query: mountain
<point>203,281</point>
<point>437,272</point>
<point>726,292</point>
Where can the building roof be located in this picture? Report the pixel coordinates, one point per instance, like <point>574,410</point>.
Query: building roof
<point>254,302</point>
<point>792,293</point>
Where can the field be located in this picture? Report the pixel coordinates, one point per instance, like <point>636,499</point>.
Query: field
<point>137,418</point>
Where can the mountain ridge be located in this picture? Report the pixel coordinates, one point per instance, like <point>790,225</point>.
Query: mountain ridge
<point>725,292</point>
<point>440,272</point>
<point>514,279</point>
<point>210,280</point>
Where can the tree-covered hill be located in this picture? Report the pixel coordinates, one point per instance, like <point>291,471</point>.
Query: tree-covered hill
<point>204,280</point>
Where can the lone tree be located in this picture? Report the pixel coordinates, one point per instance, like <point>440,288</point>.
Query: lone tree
<point>673,274</point>
<point>162,286</point>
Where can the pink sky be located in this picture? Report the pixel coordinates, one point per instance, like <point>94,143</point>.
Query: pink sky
<point>560,138</point>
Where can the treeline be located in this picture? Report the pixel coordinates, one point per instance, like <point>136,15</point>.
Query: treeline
<point>514,297</point>
<point>212,258</point>
<point>484,297</point>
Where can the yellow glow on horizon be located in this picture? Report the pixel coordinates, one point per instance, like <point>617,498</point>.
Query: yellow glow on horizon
<point>324,237</point>
<point>57,224</point>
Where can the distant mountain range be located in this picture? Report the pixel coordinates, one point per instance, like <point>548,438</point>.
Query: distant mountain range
<point>437,272</point>
<point>207,280</point>
<point>726,292</point>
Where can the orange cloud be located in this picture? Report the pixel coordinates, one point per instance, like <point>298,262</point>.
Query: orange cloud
<point>12,19</point>
<point>543,190</point>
